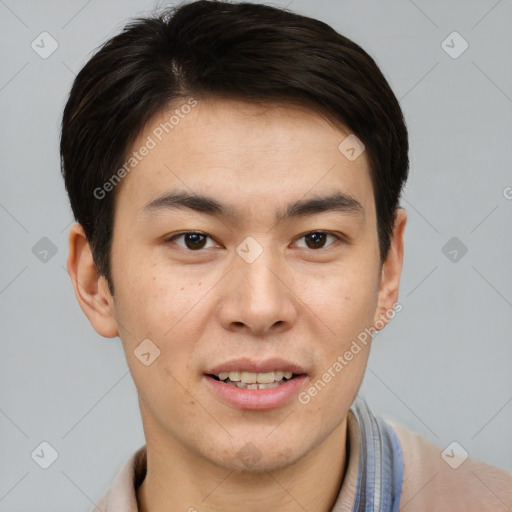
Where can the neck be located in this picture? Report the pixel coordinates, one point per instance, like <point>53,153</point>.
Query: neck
<point>177,480</point>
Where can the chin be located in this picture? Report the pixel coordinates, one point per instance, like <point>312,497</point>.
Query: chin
<point>256,457</point>
<point>266,463</point>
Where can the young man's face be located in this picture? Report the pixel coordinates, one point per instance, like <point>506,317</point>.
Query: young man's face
<point>256,292</point>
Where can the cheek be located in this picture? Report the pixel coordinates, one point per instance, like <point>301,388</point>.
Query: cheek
<point>345,300</point>
<point>342,354</point>
<point>158,303</point>
<point>150,298</point>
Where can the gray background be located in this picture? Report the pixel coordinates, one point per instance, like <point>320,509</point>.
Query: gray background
<point>442,367</point>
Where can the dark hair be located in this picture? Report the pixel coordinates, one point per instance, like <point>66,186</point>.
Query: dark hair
<point>245,51</point>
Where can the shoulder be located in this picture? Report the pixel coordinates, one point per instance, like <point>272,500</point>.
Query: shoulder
<point>432,481</point>
<point>121,494</point>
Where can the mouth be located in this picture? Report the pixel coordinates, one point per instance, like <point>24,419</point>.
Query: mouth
<point>250,385</point>
<point>251,380</point>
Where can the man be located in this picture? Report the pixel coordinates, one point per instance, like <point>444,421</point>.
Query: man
<point>235,171</point>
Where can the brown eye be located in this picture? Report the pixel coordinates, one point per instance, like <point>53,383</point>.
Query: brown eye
<point>193,241</point>
<point>317,239</point>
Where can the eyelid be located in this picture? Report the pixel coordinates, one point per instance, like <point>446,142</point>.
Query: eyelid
<point>177,235</point>
<point>338,237</point>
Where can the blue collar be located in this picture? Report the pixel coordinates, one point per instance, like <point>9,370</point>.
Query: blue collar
<point>380,471</point>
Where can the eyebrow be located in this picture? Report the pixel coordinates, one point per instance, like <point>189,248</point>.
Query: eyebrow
<point>178,200</point>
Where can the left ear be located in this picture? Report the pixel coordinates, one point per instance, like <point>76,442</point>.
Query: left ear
<point>391,272</point>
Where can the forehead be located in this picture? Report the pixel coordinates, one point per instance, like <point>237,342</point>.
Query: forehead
<point>246,155</point>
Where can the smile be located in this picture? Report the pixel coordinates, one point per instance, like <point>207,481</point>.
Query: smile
<point>251,380</point>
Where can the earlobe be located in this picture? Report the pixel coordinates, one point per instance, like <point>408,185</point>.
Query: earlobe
<point>391,272</point>
<point>91,289</point>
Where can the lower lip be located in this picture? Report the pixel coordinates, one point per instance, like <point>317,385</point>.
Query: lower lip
<point>256,399</point>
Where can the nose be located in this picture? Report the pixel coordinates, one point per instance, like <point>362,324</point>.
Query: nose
<point>259,298</point>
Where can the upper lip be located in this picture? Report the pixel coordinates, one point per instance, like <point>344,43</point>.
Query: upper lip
<point>254,366</point>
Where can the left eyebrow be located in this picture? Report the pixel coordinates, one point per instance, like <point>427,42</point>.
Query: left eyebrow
<point>340,202</point>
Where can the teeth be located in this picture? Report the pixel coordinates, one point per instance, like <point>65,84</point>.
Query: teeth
<point>265,378</point>
<point>251,380</point>
<point>248,377</point>
<point>254,386</point>
<point>268,386</point>
<point>279,375</point>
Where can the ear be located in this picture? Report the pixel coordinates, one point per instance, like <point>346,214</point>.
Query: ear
<point>390,273</point>
<point>91,289</point>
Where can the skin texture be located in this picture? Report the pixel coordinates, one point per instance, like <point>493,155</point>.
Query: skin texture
<point>202,307</point>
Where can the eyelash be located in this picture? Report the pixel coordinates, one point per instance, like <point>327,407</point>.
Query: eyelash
<point>337,237</point>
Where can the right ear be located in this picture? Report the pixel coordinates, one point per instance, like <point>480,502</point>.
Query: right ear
<point>91,289</point>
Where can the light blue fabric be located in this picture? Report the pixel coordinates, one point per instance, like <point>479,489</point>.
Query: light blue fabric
<point>380,471</point>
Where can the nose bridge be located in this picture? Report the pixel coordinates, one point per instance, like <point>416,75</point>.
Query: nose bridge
<point>257,267</point>
<point>258,297</point>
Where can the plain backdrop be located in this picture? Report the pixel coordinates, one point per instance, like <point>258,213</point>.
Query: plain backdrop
<point>443,365</point>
